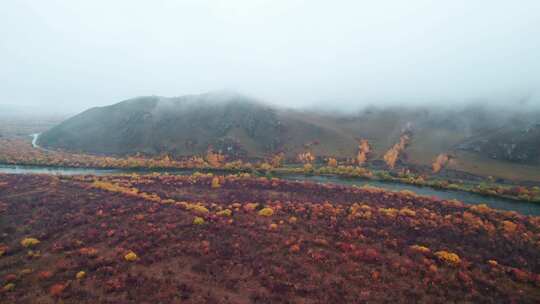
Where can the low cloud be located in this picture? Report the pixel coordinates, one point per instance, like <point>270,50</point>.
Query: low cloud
<point>67,56</point>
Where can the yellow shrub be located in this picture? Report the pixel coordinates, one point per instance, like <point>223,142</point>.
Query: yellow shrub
<point>29,242</point>
<point>33,254</point>
<point>365,207</point>
<point>407,192</point>
<point>332,162</point>
<point>198,220</point>
<point>407,212</point>
<point>389,212</point>
<point>226,212</point>
<point>131,256</point>
<point>493,263</point>
<point>419,248</point>
<point>215,182</point>
<point>9,287</point>
<point>509,227</point>
<point>366,215</point>
<point>250,206</point>
<point>308,167</point>
<point>26,271</point>
<point>448,257</point>
<point>481,208</point>
<point>454,203</point>
<point>198,209</point>
<point>266,212</point>
<point>354,208</point>
<point>80,275</point>
<point>372,189</point>
<point>265,167</point>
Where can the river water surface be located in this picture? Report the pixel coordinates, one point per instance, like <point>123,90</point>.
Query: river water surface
<point>466,197</point>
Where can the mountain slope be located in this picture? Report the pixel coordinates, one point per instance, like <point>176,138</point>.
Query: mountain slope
<point>231,123</point>
<point>239,126</point>
<point>183,125</point>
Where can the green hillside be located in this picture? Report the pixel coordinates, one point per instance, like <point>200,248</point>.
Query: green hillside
<point>482,140</point>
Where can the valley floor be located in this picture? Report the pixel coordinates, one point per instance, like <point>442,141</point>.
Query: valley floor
<point>240,239</point>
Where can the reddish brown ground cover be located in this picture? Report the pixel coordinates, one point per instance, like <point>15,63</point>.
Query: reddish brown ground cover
<point>238,239</point>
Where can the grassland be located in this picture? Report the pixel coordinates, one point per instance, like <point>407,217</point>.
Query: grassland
<point>485,166</point>
<point>239,239</point>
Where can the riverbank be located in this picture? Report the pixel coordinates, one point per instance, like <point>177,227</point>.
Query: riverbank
<point>522,207</point>
<point>20,153</point>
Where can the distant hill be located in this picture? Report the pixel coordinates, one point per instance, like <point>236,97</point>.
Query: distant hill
<point>243,127</point>
<point>234,124</point>
<point>184,125</point>
<point>518,143</point>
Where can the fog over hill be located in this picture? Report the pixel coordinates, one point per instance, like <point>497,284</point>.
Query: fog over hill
<point>297,53</point>
<point>463,74</point>
<point>182,125</point>
<point>242,126</point>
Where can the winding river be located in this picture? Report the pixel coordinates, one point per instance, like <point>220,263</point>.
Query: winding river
<point>466,197</point>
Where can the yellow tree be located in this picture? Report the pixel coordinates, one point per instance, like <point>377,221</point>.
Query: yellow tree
<point>306,157</point>
<point>332,162</point>
<point>392,155</point>
<point>440,162</point>
<point>215,182</point>
<point>363,150</point>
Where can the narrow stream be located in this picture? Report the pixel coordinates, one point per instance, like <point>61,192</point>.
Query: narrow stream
<point>522,207</point>
<point>34,140</point>
<point>466,197</point>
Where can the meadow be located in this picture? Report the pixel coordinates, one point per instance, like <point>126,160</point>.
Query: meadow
<point>237,238</point>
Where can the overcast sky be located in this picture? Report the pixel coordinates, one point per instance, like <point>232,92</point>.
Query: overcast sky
<point>67,54</point>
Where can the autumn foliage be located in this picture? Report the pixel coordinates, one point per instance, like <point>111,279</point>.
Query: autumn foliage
<point>267,231</point>
<point>440,162</point>
<point>391,156</point>
<point>16,151</point>
<point>332,162</point>
<point>306,157</point>
<point>363,151</point>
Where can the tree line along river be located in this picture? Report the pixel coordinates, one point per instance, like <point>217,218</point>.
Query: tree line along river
<point>525,208</point>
